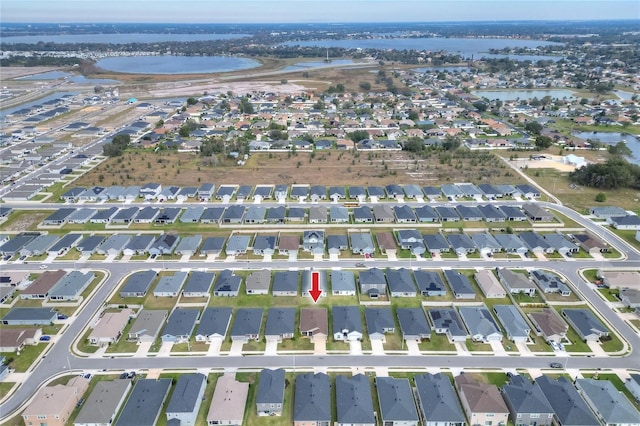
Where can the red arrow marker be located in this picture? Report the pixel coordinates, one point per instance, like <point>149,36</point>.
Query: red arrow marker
<point>315,291</point>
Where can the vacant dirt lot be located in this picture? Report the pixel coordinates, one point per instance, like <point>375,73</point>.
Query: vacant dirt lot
<point>326,168</point>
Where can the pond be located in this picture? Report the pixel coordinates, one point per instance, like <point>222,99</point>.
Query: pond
<point>612,138</point>
<point>172,64</point>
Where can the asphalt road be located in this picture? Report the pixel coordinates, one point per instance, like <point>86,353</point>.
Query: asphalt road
<point>59,358</point>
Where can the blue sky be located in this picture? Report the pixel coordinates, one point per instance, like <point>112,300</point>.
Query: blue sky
<point>251,11</point>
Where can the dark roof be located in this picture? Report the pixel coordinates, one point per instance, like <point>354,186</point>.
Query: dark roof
<point>185,394</point>
<point>271,387</point>
<point>144,403</point>
<point>214,321</point>
<point>312,400</point>
<point>396,399</point>
<point>525,397</point>
<point>280,321</point>
<point>569,407</point>
<point>437,399</point>
<point>353,400</point>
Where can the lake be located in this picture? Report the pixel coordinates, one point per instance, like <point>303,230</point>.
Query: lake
<point>512,95</point>
<point>612,138</point>
<point>303,66</point>
<point>466,47</point>
<point>170,64</point>
<point>118,38</point>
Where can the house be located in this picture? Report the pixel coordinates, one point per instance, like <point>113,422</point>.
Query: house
<point>426,214</point>
<point>514,324</point>
<point>105,216</point>
<point>511,243</point>
<point>632,383</point>
<point>513,214</point>
<point>59,217</point>
<point>296,214</point>
<point>437,400</point>
<point>628,222</point>
<point>376,192</point>
<point>362,214</point>
<point>81,216</point>
<point>447,214</point>
<point>122,216</point>
<point>396,402</point>
<point>225,192</point>
<point>535,243</point>
<point>71,286</point>
<point>372,282</point>
<point>528,191</point>
<point>199,284</point>
<point>258,282</point>
<point>323,284</point>
<point>460,284</point>
<point>312,400</point>
<point>394,191</point>
<point>246,325</point>
<point>180,325</point>
<point>413,324</point>
<point>432,192</point>
<point>605,212</point>
<point>411,239</point>
<point>109,327</point>
<point>145,403</point>
<point>227,284</point>
<point>205,191</point>
<point>357,193</point>
<point>447,321</point>
<point>586,324</point>
<point>114,245</point>
<point>337,244</point>
<point>14,339</point>
<point>285,283</point>
<point>313,241</point>
<point>53,405</point>
<point>550,282</point>
<point>382,213</point>
<point>39,245</point>
<point>469,213</point>
<point>263,192</point>
<point>280,324</point>
<point>299,192</point>
<point>188,246</point>
<point>270,393</point>
<point>89,245</point>
<point>429,283</point>
<point>146,215</point>
<point>168,216</point>
<point>317,214</point>
<point>379,322</point>
<point>400,283</point>
<point>185,401</point>
<point>317,193</point>
<point>147,325</point>
<point>212,246</point>
<point>404,214</point>
<point>526,402</point>
<point>139,244</point>
<point>354,403</point>
<point>103,403</point>
<point>549,325</point>
<point>481,325</point>
<point>489,284</point>
<point>569,408</point>
<point>289,245</point>
<point>150,190</point>
<point>264,245</point>
<point>212,215</point>
<point>233,214</point>
<point>481,401</point>
<point>138,284</point>
<point>461,244</point>
<point>535,213</point>
<point>386,242</point>
<point>255,214</point>
<point>29,316</point>
<point>491,192</point>
<point>338,214</point>
<point>451,192</point>
<point>237,245</point>
<point>214,324</point>
<point>314,322</point>
<point>486,243</point>
<point>192,214</point>
<point>361,243</point>
<point>516,283</point>
<point>41,286</point>
<point>228,402</point>
<point>619,280</point>
<point>343,283</point>
<point>436,243</point>
<point>337,193</point>
<point>491,213</point>
<point>347,323</point>
<point>561,244</point>
<point>607,403</point>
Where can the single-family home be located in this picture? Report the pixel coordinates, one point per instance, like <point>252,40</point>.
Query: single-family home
<point>258,282</point>
<point>354,402</point>
<point>607,403</point>
<point>247,324</point>
<point>312,400</point>
<point>489,284</point>
<point>103,403</point>
<point>397,407</point>
<point>514,324</point>
<point>343,283</point>
<point>550,282</point>
<point>347,323</point>
<point>361,243</point>
<point>515,282</point>
<point>569,408</point>
<point>145,403</point>
<point>413,324</point>
<point>379,322</point>
<point>549,325</point>
<point>109,327</point>
<point>526,402</point>
<point>198,284</point>
<point>481,325</point>
<point>447,321</point>
<point>437,400</point>
<point>586,324</point>
<point>481,401</point>
<point>53,405</point>
<point>280,324</point>
<point>460,285</point>
<point>285,283</point>
<point>147,325</point>
<point>400,283</point>
<point>270,392</point>
<point>314,322</point>
<point>214,324</point>
<point>185,401</point>
<point>138,284</point>
<point>180,325</point>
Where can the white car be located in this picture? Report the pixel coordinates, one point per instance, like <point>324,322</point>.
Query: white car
<point>43,266</point>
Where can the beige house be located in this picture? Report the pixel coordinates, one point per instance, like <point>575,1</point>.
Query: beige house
<point>481,401</point>
<point>314,322</point>
<point>109,327</point>
<point>620,279</point>
<point>14,339</point>
<point>489,284</point>
<point>53,405</point>
<point>228,402</point>
<point>549,325</point>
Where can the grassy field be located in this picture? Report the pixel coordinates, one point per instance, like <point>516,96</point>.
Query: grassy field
<point>5,387</point>
<point>28,355</point>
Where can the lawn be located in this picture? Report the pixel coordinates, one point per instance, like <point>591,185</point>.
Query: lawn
<point>28,355</point>
<point>437,343</point>
<point>84,346</point>
<point>628,236</point>
<point>5,388</point>
<point>610,295</point>
<point>590,274</point>
<point>477,346</point>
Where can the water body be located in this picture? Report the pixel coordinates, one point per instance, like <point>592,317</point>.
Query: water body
<point>466,47</point>
<point>512,95</point>
<point>51,75</point>
<point>118,38</point>
<point>612,138</point>
<point>624,95</point>
<point>170,64</point>
<point>303,66</point>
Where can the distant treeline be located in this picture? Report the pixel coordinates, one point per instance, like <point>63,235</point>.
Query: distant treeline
<point>615,173</point>
<point>38,61</point>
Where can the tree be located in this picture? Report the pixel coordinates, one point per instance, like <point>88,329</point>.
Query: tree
<point>450,143</point>
<point>192,101</point>
<point>480,106</point>
<point>533,127</point>
<point>116,147</point>
<point>620,149</point>
<point>414,144</point>
<point>365,85</point>
<point>543,142</point>
<point>358,135</point>
<point>601,197</point>
<point>245,106</point>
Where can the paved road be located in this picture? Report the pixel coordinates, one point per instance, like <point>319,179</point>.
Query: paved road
<point>59,359</point>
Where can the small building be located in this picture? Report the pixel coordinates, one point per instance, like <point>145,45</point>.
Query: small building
<point>186,399</point>
<point>526,402</point>
<point>550,282</point>
<point>229,402</point>
<point>413,324</point>
<point>180,325</point>
<point>270,393</point>
<point>608,404</point>
<point>138,284</point>
<point>586,324</point>
<point>437,400</point>
<point>286,283</point>
<point>347,323</point>
<point>227,284</point>
<point>516,283</point>
<point>354,402</point>
<point>147,325</point>
<point>628,222</point>
<point>447,321</point>
<point>489,284</point>
<point>145,403</point>
<point>280,324</point>
<point>549,325</point>
<point>258,282</point>
<point>109,327</point>
<point>400,283</point>
<point>214,324</point>
<point>514,324</point>
<point>397,407</point>
<point>312,400</point>
<point>71,286</point>
<point>372,282</point>
<point>481,325</point>
<point>343,283</point>
<point>481,401</point>
<point>460,285</point>
<point>170,285</point>
<point>29,316</point>
<point>246,325</point>
<point>535,213</point>
<point>314,322</point>
<point>379,322</point>
<point>103,403</point>
<point>569,408</point>
<point>198,284</point>
<point>53,405</point>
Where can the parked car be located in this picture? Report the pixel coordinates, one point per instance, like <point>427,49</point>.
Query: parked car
<point>555,365</point>
<point>62,317</point>
<point>45,338</point>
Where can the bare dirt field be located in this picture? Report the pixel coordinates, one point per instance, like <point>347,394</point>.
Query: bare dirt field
<point>324,168</point>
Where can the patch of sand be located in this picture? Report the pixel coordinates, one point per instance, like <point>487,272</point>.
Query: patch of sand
<point>550,162</point>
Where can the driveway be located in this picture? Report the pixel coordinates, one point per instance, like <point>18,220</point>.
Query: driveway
<point>236,348</point>
<point>597,349</point>
<point>498,349</point>
<point>377,347</point>
<point>143,349</point>
<point>355,347</point>
<point>540,256</point>
<point>461,349</point>
<point>319,345</point>
<point>412,347</point>
<point>214,346</point>
<point>272,347</point>
<point>165,349</point>
<point>523,349</point>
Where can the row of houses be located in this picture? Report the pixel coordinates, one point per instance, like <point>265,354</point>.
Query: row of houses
<point>424,399</point>
<point>299,192</point>
<point>58,286</point>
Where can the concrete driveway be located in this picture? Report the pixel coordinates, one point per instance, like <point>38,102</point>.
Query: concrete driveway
<point>236,348</point>
<point>165,349</point>
<point>143,349</point>
<point>214,346</point>
<point>377,347</point>
<point>355,347</point>
<point>412,347</point>
<point>319,345</point>
<point>498,349</point>
<point>272,347</point>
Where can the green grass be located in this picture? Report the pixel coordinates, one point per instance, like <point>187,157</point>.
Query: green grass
<point>84,346</point>
<point>613,345</point>
<point>590,274</point>
<point>628,236</point>
<point>438,343</point>
<point>5,388</point>
<point>28,355</point>
<point>477,346</point>
<point>610,295</point>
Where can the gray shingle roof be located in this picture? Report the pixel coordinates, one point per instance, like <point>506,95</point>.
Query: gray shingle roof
<point>437,399</point>
<point>353,400</point>
<point>271,387</point>
<point>396,399</point>
<point>312,400</point>
<point>185,395</point>
<point>570,408</point>
<point>280,321</point>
